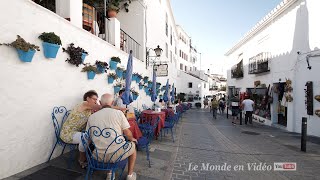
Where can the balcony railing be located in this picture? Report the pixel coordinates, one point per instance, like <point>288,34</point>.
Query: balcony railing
<point>127,43</point>
<point>259,63</point>
<point>237,70</point>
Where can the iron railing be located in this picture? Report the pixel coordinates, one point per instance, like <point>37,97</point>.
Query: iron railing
<point>127,43</point>
<point>259,63</point>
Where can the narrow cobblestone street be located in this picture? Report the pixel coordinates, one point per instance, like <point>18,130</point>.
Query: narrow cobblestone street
<point>212,142</point>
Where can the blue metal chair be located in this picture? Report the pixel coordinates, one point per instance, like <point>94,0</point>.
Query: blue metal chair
<point>107,162</point>
<point>143,143</point>
<point>63,113</point>
<point>137,115</point>
<point>148,126</point>
<point>169,124</point>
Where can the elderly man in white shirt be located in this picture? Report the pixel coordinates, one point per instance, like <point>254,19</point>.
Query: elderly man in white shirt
<point>108,117</point>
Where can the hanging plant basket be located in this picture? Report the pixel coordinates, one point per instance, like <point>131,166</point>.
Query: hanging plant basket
<point>26,56</point>
<point>116,89</point>
<point>51,44</point>
<point>91,74</point>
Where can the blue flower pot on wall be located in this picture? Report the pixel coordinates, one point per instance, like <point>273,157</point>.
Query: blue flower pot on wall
<point>140,86</point>
<point>116,89</point>
<point>113,65</point>
<point>91,74</point>
<point>119,73</point>
<point>158,86</point>
<point>50,50</point>
<point>134,77</point>
<point>26,56</point>
<point>101,69</point>
<point>138,79</point>
<point>134,96</point>
<point>145,80</point>
<point>150,85</point>
<point>110,80</point>
<point>83,56</point>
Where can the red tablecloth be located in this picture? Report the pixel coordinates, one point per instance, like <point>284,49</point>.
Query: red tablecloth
<point>168,112</point>
<point>134,128</point>
<point>153,114</point>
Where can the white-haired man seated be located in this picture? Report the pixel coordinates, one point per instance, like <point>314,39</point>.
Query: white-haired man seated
<point>115,119</point>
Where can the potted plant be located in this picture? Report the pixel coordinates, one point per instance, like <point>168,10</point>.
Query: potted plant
<point>134,76</point>
<point>117,87</point>
<point>124,72</point>
<point>114,61</point>
<point>135,94</point>
<point>145,79</point>
<point>25,50</point>
<point>77,54</point>
<point>150,84</point>
<point>112,77</point>
<point>51,44</point>
<point>158,85</point>
<point>113,7</point>
<point>90,69</point>
<point>140,85</point>
<point>102,66</point>
<point>139,77</point>
<point>119,72</point>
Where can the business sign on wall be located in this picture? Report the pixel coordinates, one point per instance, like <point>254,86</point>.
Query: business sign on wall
<point>161,70</point>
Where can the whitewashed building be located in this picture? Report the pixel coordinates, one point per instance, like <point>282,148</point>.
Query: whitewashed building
<point>284,45</point>
<point>31,90</point>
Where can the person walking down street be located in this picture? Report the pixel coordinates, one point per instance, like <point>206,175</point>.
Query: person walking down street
<point>222,105</point>
<point>214,106</point>
<point>205,103</point>
<point>247,106</point>
<point>234,108</point>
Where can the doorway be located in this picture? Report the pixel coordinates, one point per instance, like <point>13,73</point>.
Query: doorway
<point>280,108</point>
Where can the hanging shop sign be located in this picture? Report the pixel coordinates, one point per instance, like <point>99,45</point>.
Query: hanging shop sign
<point>161,70</point>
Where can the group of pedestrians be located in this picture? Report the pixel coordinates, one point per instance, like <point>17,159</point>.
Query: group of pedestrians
<point>246,105</point>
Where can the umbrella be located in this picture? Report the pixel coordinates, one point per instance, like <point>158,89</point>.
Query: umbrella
<point>165,95</point>
<point>172,93</point>
<point>126,96</point>
<point>154,87</point>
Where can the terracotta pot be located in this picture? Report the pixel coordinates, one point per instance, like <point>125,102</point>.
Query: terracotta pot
<point>112,13</point>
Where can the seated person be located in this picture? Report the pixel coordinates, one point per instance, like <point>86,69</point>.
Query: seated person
<point>118,101</point>
<point>112,118</point>
<point>77,121</point>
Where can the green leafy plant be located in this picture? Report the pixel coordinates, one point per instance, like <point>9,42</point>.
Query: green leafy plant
<point>115,5</point>
<point>114,75</point>
<point>149,82</point>
<point>146,77</point>
<point>50,37</point>
<point>75,54</point>
<point>102,64</point>
<point>21,44</point>
<point>88,67</point>
<point>116,59</point>
<point>159,84</point>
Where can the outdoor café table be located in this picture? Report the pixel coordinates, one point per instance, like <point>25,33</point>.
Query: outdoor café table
<point>153,114</point>
<point>168,112</point>
<point>134,128</point>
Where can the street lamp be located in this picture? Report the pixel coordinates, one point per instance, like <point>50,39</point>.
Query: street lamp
<point>157,52</point>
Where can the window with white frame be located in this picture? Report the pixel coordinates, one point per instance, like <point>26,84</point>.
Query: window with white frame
<point>190,85</point>
<point>166,24</point>
<point>170,56</point>
<point>181,66</point>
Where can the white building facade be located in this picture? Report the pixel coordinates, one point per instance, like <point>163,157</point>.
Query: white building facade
<point>270,64</point>
<point>31,90</point>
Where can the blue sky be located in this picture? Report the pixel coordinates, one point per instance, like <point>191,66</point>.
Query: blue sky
<point>216,25</point>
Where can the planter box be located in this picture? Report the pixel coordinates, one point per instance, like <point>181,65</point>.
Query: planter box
<point>110,80</point>
<point>83,56</point>
<point>26,56</point>
<point>113,65</point>
<point>91,74</point>
<point>50,50</point>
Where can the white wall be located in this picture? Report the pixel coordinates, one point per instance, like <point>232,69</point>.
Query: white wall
<point>292,31</point>
<point>30,90</point>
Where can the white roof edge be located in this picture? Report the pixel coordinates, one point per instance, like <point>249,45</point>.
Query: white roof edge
<point>262,23</point>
